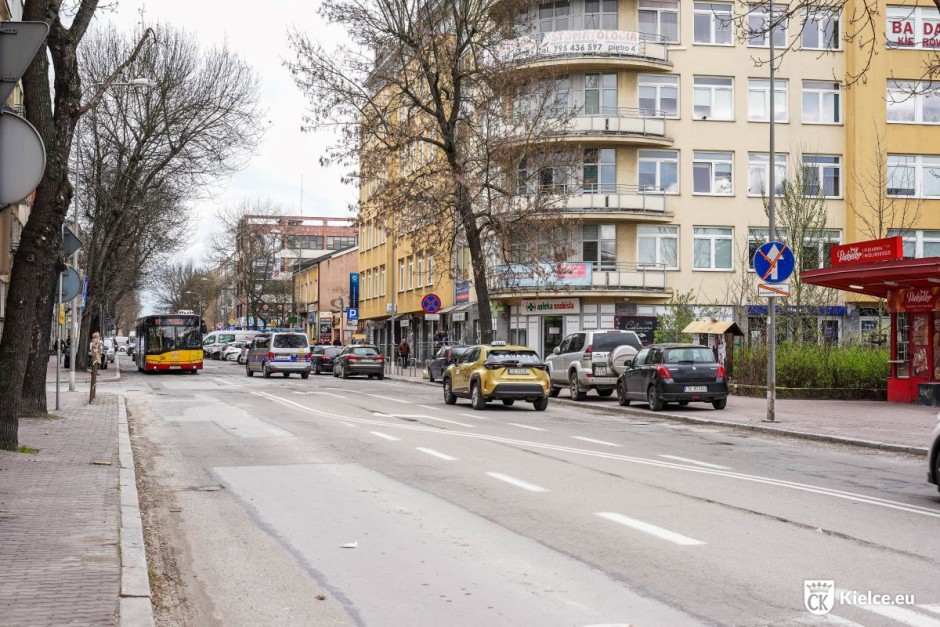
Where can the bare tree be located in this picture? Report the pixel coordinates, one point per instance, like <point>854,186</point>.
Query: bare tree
<point>184,285</point>
<point>147,152</point>
<point>53,105</point>
<point>445,129</point>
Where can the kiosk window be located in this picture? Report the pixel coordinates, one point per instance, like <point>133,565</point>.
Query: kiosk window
<point>904,353</point>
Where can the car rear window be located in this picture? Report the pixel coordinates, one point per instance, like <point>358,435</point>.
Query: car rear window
<point>523,357</point>
<point>689,355</point>
<point>606,342</point>
<point>364,350</point>
<point>332,351</point>
<point>291,340</point>
<point>227,337</point>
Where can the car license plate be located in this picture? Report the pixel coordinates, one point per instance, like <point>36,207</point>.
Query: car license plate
<point>175,367</point>
<point>696,388</point>
<point>600,371</point>
<point>367,361</point>
<point>518,371</point>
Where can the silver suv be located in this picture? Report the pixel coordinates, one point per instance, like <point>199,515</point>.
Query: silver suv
<point>279,352</point>
<point>583,361</point>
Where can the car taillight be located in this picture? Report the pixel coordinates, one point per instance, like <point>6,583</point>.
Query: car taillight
<point>720,375</point>
<point>380,357</point>
<point>324,358</point>
<point>663,373</point>
<point>589,349</point>
<point>352,358</point>
<point>271,356</point>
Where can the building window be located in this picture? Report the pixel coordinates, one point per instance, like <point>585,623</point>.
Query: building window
<point>712,248</point>
<point>913,102</point>
<point>658,245</point>
<point>383,279</point>
<point>599,245</point>
<point>918,244</point>
<point>430,280</point>
<point>759,26</point>
<point>758,173</point>
<point>411,273</point>
<point>599,14</point>
<point>758,100</point>
<point>713,23</point>
<point>597,93</point>
<point>420,270</point>
<point>712,173</point>
<point>822,102</point>
<point>304,242</point>
<point>822,176</point>
<point>600,170</point>
<point>658,94</point>
<point>401,275</point>
<point>660,17</point>
<point>914,176</point>
<point>554,16</point>
<point>821,29</point>
<point>713,98</point>
<point>337,242</point>
<point>658,170</point>
<point>913,27</point>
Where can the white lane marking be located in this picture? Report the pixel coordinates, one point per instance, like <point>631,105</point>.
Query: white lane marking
<point>779,483</point>
<point>593,441</point>
<point>429,407</point>
<point>416,416</point>
<point>433,453</point>
<point>828,619</point>
<point>692,461</point>
<point>219,380</point>
<point>453,422</point>
<point>351,425</point>
<point>653,530</point>
<point>902,615</point>
<point>390,438</point>
<point>519,483</point>
<point>931,608</point>
<point>476,416</point>
<point>389,398</point>
<point>516,424</point>
<point>328,394</point>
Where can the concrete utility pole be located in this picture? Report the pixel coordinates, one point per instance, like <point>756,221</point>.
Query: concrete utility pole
<point>772,232</point>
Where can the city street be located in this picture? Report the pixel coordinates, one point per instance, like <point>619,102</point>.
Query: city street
<point>330,501</point>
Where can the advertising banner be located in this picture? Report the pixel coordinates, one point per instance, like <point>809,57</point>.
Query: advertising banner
<point>544,275</point>
<point>643,326</point>
<point>887,249</point>
<point>914,300</point>
<point>462,292</point>
<point>354,290</point>
<point>550,306</point>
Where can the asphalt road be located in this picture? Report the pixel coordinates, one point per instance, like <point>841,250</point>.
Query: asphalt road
<point>366,502</point>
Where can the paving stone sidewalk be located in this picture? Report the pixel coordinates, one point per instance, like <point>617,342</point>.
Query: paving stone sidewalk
<point>60,518</point>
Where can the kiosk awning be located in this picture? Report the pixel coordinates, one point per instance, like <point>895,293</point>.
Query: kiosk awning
<point>877,278</point>
<point>713,327</point>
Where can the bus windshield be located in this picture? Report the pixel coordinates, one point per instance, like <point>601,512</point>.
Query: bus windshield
<point>179,334</point>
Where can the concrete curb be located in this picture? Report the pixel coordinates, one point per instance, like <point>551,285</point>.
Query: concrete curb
<point>804,435</point>
<point>136,609</point>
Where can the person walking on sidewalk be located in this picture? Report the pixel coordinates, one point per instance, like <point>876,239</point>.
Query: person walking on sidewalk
<point>404,351</point>
<point>95,348</point>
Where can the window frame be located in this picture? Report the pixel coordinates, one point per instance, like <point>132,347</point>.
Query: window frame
<point>698,157</point>
<point>658,82</point>
<point>762,160</point>
<point>818,16</point>
<point>713,19</point>
<point>812,86</point>
<point>713,238</point>
<point>760,10</point>
<point>647,156</point>
<point>916,92</point>
<point>916,238</point>
<point>659,11</point>
<point>657,239</point>
<point>781,96</point>
<point>713,91</point>
<point>821,166</point>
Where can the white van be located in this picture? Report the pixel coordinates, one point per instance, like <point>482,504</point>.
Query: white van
<point>213,343</point>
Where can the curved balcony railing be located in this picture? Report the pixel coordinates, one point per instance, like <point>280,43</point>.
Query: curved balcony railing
<point>571,44</point>
<point>579,276</point>
<point>620,120</point>
<point>607,197</point>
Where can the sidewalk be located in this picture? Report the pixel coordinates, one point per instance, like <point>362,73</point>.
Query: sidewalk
<point>872,424</point>
<point>72,549</point>
<point>112,373</point>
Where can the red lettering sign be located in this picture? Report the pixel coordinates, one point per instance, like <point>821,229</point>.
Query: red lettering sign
<point>914,300</point>
<point>886,249</point>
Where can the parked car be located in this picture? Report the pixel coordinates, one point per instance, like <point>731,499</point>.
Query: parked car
<point>933,467</point>
<point>682,373</point>
<point>582,361</point>
<point>496,371</point>
<point>359,359</point>
<point>214,343</point>
<point>279,352</point>
<point>243,354</point>
<point>323,356</point>
<point>442,358</point>
<point>109,351</point>
<point>233,350</point>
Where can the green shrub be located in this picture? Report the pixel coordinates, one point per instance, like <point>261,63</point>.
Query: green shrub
<point>814,366</point>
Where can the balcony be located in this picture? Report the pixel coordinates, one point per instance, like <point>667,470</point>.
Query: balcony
<point>579,277</point>
<point>606,200</point>
<point>588,49</point>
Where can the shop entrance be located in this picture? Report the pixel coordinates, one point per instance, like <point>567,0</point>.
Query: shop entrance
<point>551,334</point>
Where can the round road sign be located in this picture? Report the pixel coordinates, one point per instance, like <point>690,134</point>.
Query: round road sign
<point>431,303</point>
<point>774,262</point>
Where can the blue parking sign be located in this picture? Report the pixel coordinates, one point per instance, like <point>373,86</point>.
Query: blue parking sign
<point>774,262</point>
<point>352,314</point>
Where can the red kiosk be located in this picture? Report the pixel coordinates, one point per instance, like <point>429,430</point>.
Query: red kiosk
<point>911,288</point>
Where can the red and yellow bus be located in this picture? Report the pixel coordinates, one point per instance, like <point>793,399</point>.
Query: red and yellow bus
<point>169,342</point>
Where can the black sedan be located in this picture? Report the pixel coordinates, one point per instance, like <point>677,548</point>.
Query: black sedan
<point>359,359</point>
<point>682,373</point>
<point>443,358</point>
<point>323,356</point>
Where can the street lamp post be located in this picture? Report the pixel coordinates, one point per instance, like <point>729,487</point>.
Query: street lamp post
<point>198,301</point>
<point>136,82</point>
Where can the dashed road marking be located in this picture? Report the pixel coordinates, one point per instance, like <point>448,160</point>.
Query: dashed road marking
<point>475,416</point>
<point>433,453</point>
<point>593,441</point>
<point>330,394</point>
<point>516,424</point>
<point>519,483</point>
<point>653,530</point>
<point>697,463</point>
<point>385,436</point>
<point>389,398</point>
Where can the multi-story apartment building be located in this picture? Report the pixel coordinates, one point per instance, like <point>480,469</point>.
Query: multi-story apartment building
<point>672,109</point>
<point>322,293</point>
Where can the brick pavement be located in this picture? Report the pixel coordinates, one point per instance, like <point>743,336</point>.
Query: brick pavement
<point>60,518</point>
<point>869,423</point>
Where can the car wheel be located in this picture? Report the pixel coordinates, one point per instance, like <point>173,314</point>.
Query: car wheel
<point>304,375</point>
<point>370,376</point>
<point>508,402</point>
<point>574,386</point>
<point>345,373</point>
<point>449,398</point>
<point>266,371</point>
<point>683,403</point>
<point>553,391</point>
<point>652,397</point>
<point>316,369</point>
<point>335,372</point>
<point>380,376</point>
<point>541,404</point>
<point>622,394</point>
<point>476,396</point>
<point>720,403</point>
<point>430,376</point>
<point>286,374</point>
<point>605,393</point>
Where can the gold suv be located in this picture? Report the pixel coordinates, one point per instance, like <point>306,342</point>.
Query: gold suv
<point>496,371</point>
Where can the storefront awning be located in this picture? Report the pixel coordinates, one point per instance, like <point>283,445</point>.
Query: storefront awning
<point>457,308</point>
<point>713,327</point>
<point>876,279</point>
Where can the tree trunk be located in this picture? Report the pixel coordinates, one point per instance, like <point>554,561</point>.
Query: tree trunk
<point>478,261</point>
<point>33,398</point>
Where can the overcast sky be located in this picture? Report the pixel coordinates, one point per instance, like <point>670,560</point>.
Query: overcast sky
<point>257,31</point>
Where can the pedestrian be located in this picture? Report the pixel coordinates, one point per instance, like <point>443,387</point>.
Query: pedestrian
<point>337,341</point>
<point>68,353</point>
<point>404,351</point>
<point>95,348</point>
